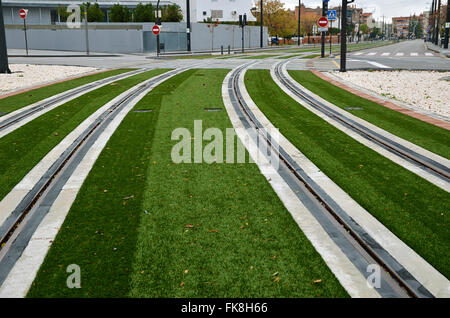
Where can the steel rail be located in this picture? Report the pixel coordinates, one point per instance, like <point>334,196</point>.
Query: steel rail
<point>9,226</point>
<point>360,237</point>
<point>21,115</point>
<point>425,163</point>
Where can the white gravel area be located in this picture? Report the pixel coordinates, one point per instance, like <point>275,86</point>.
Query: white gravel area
<point>28,75</point>
<point>421,90</point>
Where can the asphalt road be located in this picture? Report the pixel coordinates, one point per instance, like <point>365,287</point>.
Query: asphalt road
<point>408,55</point>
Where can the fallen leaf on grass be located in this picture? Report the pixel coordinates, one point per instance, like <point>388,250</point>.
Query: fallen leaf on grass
<point>317,281</point>
<point>130,197</point>
<point>213,231</point>
<point>189,225</point>
<point>181,284</point>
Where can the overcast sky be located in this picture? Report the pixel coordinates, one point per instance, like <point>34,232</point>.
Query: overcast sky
<point>389,8</point>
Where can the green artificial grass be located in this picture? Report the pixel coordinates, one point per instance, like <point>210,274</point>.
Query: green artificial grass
<point>16,102</point>
<point>143,226</point>
<point>428,136</point>
<point>411,207</point>
<point>23,148</point>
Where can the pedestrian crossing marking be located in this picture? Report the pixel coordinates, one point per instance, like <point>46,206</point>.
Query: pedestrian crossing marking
<point>393,54</point>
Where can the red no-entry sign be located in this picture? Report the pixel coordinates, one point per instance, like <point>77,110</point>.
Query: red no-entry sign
<point>23,13</point>
<point>323,22</point>
<point>156,29</point>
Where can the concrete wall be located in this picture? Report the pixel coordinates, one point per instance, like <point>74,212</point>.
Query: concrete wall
<point>35,15</point>
<point>131,37</point>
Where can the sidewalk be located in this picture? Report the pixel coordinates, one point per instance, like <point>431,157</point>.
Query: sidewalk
<point>438,49</point>
<point>53,53</point>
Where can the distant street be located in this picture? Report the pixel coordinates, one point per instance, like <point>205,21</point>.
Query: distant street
<point>408,55</point>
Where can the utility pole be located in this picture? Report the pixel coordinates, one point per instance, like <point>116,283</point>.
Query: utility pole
<point>324,14</point>
<point>188,25</point>
<point>344,35</point>
<point>447,26</point>
<point>431,23</point>
<point>299,14</point>
<point>157,22</point>
<point>261,39</point>
<point>4,67</point>
<point>436,39</point>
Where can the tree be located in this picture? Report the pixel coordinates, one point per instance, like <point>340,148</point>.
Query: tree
<point>144,13</point>
<point>279,20</point>
<point>364,29</point>
<point>171,13</point>
<point>119,13</point>
<point>63,14</point>
<point>94,13</point>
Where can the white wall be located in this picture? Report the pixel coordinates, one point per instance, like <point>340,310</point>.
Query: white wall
<point>199,7</point>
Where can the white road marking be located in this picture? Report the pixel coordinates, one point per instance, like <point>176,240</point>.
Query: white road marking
<point>414,54</point>
<point>385,54</point>
<point>399,54</point>
<point>429,54</point>
<point>372,53</point>
<point>378,64</point>
<point>359,53</point>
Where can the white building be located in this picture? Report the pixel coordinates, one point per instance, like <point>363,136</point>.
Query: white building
<point>222,10</point>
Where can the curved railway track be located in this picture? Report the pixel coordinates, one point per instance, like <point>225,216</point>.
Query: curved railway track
<point>20,115</point>
<point>351,238</point>
<point>423,162</point>
<point>18,228</point>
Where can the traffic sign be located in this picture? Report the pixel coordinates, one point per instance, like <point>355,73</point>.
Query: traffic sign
<point>325,29</point>
<point>156,29</point>
<point>332,16</point>
<point>323,22</point>
<point>23,13</point>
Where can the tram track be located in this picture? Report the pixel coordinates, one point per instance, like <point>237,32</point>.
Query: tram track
<point>351,238</point>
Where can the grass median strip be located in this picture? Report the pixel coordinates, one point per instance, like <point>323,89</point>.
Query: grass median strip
<point>412,208</point>
<point>18,101</point>
<point>23,148</point>
<point>426,135</point>
<point>180,230</point>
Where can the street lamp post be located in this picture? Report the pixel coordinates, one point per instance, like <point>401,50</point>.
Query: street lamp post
<point>447,26</point>
<point>157,22</point>
<point>261,40</point>
<point>4,67</point>
<point>188,25</point>
<point>299,14</point>
<point>324,14</point>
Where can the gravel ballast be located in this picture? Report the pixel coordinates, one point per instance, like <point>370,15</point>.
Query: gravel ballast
<point>422,90</point>
<point>28,75</point>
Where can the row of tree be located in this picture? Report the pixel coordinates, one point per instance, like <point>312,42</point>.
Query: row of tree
<point>120,13</point>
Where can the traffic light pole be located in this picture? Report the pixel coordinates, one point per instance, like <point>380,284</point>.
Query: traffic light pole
<point>242,24</point>
<point>344,35</point>
<point>436,38</point>
<point>324,14</point>
<point>4,67</point>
